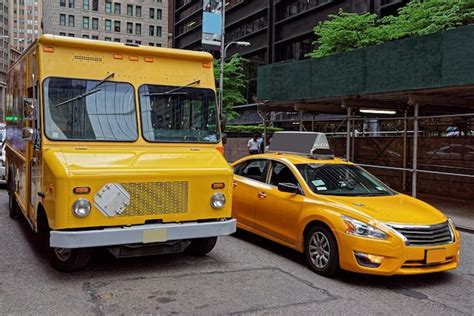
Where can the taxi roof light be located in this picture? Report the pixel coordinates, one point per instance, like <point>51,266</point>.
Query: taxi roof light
<point>314,145</point>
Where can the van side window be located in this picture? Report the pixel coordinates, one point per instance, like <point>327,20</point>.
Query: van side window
<point>254,169</point>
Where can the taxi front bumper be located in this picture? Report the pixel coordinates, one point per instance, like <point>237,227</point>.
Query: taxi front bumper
<point>398,259</point>
<point>140,234</point>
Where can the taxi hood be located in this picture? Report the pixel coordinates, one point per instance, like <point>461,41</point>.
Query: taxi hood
<point>398,208</point>
<point>76,162</point>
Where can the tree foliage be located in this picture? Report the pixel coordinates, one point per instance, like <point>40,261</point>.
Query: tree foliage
<point>234,82</point>
<point>348,31</point>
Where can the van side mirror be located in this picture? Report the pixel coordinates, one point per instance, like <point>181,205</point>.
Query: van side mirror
<point>288,187</point>
<point>29,109</point>
<point>28,134</point>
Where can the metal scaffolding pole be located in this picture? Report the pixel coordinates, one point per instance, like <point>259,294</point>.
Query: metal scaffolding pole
<point>405,127</point>
<point>348,134</point>
<point>415,150</point>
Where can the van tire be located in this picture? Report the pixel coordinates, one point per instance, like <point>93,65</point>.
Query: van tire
<point>201,246</point>
<point>69,260</point>
<point>13,207</point>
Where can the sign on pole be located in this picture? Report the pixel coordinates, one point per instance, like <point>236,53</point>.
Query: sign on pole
<point>212,24</point>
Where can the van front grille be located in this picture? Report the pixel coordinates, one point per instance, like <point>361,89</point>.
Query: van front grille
<point>156,198</point>
<point>426,235</point>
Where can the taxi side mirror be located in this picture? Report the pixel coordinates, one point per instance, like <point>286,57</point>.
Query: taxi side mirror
<point>29,109</point>
<point>28,134</point>
<point>288,187</point>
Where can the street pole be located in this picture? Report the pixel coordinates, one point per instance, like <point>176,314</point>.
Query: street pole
<point>221,73</point>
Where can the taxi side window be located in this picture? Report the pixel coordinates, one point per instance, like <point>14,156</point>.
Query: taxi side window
<point>282,174</point>
<point>253,169</point>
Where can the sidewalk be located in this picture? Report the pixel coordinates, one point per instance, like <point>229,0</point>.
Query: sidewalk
<point>460,211</point>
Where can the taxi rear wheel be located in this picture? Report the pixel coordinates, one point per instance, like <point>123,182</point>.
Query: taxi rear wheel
<point>201,246</point>
<point>321,251</point>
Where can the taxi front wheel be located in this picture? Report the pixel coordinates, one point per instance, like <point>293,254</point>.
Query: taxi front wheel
<point>321,251</point>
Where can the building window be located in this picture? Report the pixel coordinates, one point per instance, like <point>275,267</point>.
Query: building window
<point>129,41</point>
<point>158,31</point>
<point>138,11</point>
<point>70,20</point>
<point>152,30</point>
<point>117,40</point>
<point>129,10</point>
<point>85,36</point>
<point>117,26</point>
<point>62,19</point>
<point>158,45</point>
<point>159,14</point>
<point>152,13</point>
<point>138,42</point>
<point>130,27</point>
<point>151,44</point>
<point>108,6</point>
<point>85,22</point>
<point>62,3</point>
<point>62,34</point>
<point>85,4</point>
<point>138,29</point>
<point>95,5</point>
<point>95,37</point>
<point>108,25</point>
<point>95,23</point>
<point>108,39</point>
<point>71,35</point>
<point>71,3</point>
<point>117,8</point>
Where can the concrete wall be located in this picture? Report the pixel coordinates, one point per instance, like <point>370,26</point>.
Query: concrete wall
<point>445,154</point>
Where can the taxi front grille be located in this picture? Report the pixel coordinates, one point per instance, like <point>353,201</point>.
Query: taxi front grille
<point>156,198</point>
<point>426,235</point>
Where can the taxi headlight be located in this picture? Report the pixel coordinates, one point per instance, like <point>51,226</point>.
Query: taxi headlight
<point>81,208</point>
<point>217,201</point>
<point>358,228</point>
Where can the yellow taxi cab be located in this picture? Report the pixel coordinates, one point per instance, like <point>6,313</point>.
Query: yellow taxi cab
<point>338,214</point>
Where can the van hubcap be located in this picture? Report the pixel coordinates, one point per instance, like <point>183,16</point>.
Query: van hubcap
<point>62,254</point>
<point>319,250</point>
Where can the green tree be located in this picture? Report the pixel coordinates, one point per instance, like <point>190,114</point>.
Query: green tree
<point>234,83</point>
<point>347,31</point>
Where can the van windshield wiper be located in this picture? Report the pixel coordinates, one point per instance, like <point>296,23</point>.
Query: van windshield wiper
<point>88,92</point>
<point>173,91</point>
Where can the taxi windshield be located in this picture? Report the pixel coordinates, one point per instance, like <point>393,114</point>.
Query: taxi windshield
<point>98,110</point>
<point>342,180</point>
<point>178,114</point>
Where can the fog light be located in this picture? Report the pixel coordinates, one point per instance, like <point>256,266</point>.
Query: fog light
<point>368,260</point>
<point>81,208</point>
<point>217,201</point>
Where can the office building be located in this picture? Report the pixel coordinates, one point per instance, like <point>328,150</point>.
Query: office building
<point>4,55</point>
<point>143,22</point>
<point>25,22</point>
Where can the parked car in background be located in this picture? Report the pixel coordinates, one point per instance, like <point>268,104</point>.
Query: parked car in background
<point>338,214</point>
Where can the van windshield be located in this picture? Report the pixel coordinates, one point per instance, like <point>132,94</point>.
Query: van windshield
<point>178,114</point>
<point>77,109</point>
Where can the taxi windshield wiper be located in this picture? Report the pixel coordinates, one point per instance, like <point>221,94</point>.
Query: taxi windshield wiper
<point>173,91</point>
<point>88,92</point>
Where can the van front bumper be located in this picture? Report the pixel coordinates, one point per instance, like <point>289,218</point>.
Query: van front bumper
<point>140,234</point>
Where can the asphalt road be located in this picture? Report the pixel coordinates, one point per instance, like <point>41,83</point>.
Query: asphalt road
<point>243,275</point>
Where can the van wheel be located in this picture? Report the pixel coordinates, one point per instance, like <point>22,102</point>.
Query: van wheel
<point>201,246</point>
<point>12,204</point>
<point>321,251</point>
<point>69,260</point>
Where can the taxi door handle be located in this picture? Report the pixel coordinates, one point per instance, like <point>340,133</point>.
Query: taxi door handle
<point>262,195</point>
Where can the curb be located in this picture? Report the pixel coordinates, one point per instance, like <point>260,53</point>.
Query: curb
<point>465,229</point>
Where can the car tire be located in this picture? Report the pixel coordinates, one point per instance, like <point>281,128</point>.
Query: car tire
<point>201,246</point>
<point>69,260</point>
<point>321,251</point>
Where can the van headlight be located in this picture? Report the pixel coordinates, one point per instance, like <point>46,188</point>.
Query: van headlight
<point>358,228</point>
<point>81,208</point>
<point>217,201</point>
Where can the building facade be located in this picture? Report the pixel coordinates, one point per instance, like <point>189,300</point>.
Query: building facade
<point>142,22</point>
<point>25,22</point>
<point>278,30</point>
<point>4,55</point>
